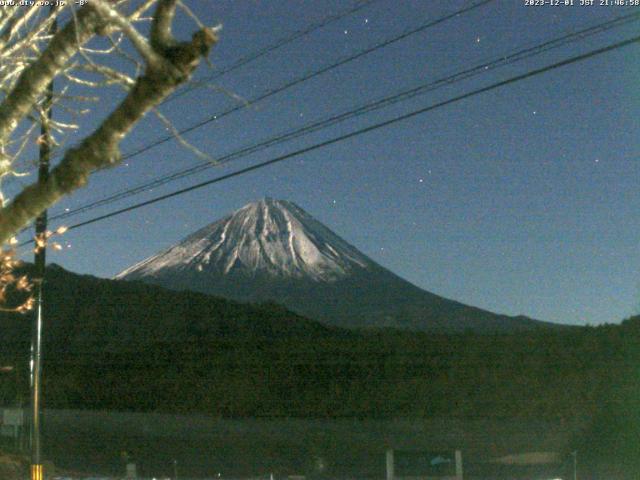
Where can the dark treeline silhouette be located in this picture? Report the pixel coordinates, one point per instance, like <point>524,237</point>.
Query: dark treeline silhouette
<point>128,346</point>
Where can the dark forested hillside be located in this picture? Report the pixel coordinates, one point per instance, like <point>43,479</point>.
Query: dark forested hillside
<point>122,345</point>
<point>128,346</point>
<point>374,375</point>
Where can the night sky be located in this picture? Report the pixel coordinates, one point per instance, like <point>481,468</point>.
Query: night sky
<point>522,200</point>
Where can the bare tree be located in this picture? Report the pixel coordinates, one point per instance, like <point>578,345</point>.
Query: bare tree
<point>80,55</point>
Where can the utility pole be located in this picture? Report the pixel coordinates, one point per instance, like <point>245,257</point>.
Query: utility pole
<point>574,454</point>
<point>40,262</point>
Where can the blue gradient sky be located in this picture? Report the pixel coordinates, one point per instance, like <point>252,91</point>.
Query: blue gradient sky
<point>523,200</point>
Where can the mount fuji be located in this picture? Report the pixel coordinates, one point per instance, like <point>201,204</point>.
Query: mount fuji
<point>272,250</point>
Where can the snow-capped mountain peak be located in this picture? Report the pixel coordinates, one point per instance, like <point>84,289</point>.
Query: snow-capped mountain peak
<point>273,237</point>
<point>272,250</point>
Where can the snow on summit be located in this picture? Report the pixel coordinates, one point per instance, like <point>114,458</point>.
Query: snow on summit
<point>273,237</point>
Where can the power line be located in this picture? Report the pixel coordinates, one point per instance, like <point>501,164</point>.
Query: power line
<point>309,76</point>
<point>364,109</point>
<point>377,126</point>
<point>270,48</point>
<point>262,52</point>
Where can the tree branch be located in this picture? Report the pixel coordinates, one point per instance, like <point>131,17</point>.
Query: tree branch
<point>34,79</point>
<point>137,39</point>
<point>161,36</point>
<point>101,148</point>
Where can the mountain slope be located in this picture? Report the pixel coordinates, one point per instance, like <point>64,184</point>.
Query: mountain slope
<point>275,238</point>
<point>274,250</point>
